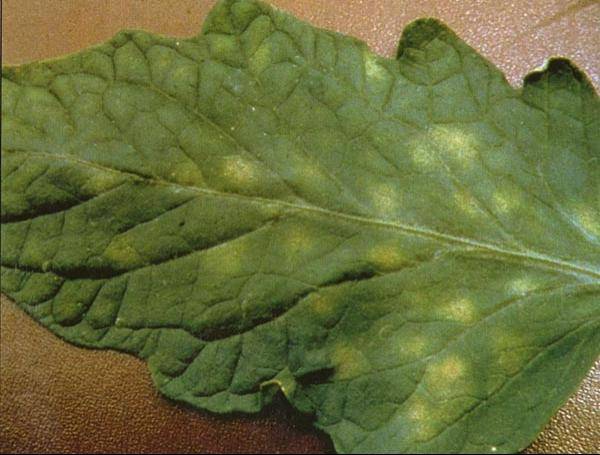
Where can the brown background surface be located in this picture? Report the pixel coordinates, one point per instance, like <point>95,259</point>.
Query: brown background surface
<point>56,397</point>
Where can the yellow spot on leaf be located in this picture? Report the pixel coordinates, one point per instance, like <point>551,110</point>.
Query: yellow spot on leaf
<point>230,257</point>
<point>414,346</point>
<point>349,362</point>
<point>417,410</point>
<point>232,262</point>
<point>588,220</point>
<point>311,171</point>
<point>298,239</point>
<point>456,143</point>
<point>122,253</point>
<point>260,60</point>
<point>187,175</point>
<point>512,350</point>
<point>387,256</point>
<point>238,169</point>
<point>522,285</point>
<point>386,200</point>
<point>466,202</point>
<point>422,157</point>
<point>420,415</point>
<point>447,370</point>
<point>101,181</point>
<point>373,69</point>
<point>461,310</point>
<point>505,201</point>
<point>322,305</point>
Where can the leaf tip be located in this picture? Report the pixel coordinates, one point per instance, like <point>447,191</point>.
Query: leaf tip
<point>558,71</point>
<point>231,16</point>
<point>420,32</point>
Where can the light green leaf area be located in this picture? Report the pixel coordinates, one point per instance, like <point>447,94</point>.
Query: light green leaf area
<point>408,248</point>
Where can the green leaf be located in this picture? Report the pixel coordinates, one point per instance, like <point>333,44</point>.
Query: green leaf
<point>409,248</point>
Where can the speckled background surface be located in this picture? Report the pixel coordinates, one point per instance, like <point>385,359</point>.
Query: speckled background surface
<point>55,397</point>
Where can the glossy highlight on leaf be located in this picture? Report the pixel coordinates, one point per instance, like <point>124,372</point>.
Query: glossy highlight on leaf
<point>408,249</point>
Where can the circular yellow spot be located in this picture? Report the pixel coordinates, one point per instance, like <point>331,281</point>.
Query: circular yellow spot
<point>386,200</point>
<point>350,362</point>
<point>321,304</point>
<point>387,257</point>
<point>297,239</point>
<point>373,70</point>
<point>239,169</point>
<point>522,285</point>
<point>185,174</point>
<point>458,144</point>
<point>417,410</point>
<point>505,201</point>
<point>461,310</point>
<point>422,157</point>
<point>414,346</point>
<point>588,220</point>
<point>121,252</point>
<point>447,370</point>
<point>466,203</point>
<point>229,256</point>
<point>102,181</point>
<point>420,415</point>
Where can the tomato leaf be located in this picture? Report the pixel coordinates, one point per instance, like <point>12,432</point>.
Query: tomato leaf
<point>408,248</point>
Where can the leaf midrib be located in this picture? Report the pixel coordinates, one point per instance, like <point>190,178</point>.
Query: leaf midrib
<point>586,271</point>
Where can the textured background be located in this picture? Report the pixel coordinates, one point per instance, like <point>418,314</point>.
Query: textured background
<point>55,397</point>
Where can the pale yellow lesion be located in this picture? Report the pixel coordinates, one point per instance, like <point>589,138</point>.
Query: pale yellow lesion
<point>100,182</point>
<point>511,350</point>
<point>414,347</point>
<point>459,145</point>
<point>230,257</point>
<point>444,372</point>
<point>587,219</point>
<point>239,170</point>
<point>385,199</point>
<point>261,59</point>
<point>233,261</point>
<point>297,238</point>
<point>187,173</point>
<point>422,157</point>
<point>505,200</point>
<point>502,338</point>
<point>349,362</point>
<point>311,171</point>
<point>461,309</point>
<point>522,285</point>
<point>121,252</point>
<point>373,70</point>
<point>321,304</point>
<point>466,203</point>
<point>420,416</point>
<point>511,361</point>
<point>418,410</point>
<point>387,256</point>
